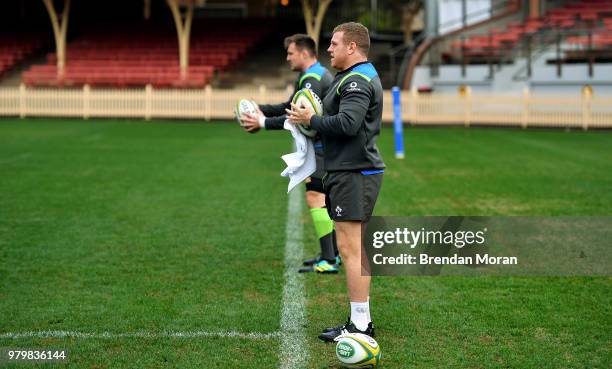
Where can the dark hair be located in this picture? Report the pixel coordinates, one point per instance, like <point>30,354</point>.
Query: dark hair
<point>357,33</point>
<point>302,42</point>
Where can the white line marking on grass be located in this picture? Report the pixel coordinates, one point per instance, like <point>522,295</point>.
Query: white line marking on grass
<point>294,353</point>
<point>141,334</point>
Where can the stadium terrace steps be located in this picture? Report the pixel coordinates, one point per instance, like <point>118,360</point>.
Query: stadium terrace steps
<point>118,75</point>
<point>589,14</point>
<point>15,48</point>
<point>148,56</point>
<point>266,67</point>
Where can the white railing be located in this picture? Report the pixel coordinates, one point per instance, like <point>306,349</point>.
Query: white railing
<point>527,110</point>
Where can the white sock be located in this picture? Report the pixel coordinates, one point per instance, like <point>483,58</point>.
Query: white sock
<point>360,314</point>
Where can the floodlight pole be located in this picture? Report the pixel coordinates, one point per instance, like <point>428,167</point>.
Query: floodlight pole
<point>183,30</point>
<point>60,28</point>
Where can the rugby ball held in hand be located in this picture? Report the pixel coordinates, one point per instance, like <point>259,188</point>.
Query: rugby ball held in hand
<point>244,106</point>
<point>357,350</point>
<point>305,98</point>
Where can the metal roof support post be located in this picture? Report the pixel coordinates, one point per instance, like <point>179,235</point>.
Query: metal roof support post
<point>60,28</point>
<point>313,20</point>
<point>431,18</point>
<point>183,30</point>
<point>146,9</point>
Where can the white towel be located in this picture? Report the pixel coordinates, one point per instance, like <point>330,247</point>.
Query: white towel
<point>302,163</point>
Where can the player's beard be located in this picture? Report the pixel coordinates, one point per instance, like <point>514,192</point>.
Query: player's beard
<point>334,63</point>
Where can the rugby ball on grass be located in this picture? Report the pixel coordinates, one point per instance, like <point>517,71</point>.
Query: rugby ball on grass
<point>244,106</point>
<point>357,350</point>
<point>305,98</point>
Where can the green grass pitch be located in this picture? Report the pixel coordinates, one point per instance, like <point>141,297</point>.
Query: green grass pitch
<point>152,227</point>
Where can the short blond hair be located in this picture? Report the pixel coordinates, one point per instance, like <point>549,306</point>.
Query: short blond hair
<point>357,33</point>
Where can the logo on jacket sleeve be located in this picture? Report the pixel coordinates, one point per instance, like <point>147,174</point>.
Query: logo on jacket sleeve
<point>353,87</point>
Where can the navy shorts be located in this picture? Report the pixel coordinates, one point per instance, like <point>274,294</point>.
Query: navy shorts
<point>351,196</point>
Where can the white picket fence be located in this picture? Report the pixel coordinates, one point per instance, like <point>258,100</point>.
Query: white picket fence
<point>527,110</point>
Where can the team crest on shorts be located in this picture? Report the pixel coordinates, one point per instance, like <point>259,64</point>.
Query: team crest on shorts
<point>338,211</point>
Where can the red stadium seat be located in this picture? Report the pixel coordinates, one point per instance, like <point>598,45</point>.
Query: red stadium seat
<point>595,15</point>
<point>147,56</point>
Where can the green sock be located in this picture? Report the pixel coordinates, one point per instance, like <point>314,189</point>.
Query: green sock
<point>324,227</point>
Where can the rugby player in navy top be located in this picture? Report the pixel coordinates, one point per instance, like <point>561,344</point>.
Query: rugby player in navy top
<point>349,128</point>
<point>302,57</point>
